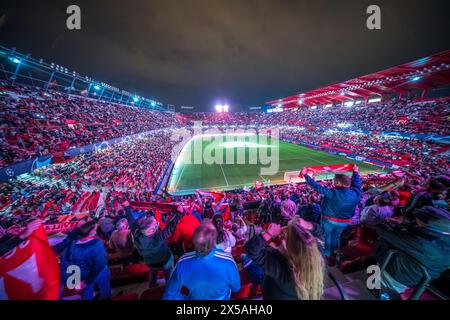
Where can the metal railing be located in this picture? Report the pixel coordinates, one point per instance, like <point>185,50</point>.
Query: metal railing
<point>420,288</point>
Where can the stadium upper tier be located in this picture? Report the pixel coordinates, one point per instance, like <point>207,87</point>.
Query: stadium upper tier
<point>419,116</point>
<point>36,122</point>
<point>424,74</point>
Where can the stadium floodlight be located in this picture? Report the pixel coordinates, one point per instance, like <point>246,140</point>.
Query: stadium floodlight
<point>374,100</point>
<point>153,104</point>
<point>222,108</point>
<point>136,99</point>
<point>348,104</point>
<point>15,60</point>
<point>96,87</point>
<point>416,78</point>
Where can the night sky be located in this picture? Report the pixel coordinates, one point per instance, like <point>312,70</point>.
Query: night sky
<point>246,52</point>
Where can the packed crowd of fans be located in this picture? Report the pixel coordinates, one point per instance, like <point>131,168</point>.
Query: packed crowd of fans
<point>278,240</point>
<point>38,122</point>
<point>280,237</point>
<point>395,150</point>
<point>35,122</point>
<point>392,116</point>
<point>89,180</point>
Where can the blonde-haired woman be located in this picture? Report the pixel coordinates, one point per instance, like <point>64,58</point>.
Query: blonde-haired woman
<point>296,269</point>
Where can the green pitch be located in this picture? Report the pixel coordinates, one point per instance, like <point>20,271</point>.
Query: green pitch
<point>226,162</point>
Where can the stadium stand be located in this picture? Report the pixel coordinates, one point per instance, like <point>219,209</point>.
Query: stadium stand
<point>395,220</point>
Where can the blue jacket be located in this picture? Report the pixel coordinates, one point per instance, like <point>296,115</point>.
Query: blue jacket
<point>212,277</point>
<point>339,202</point>
<point>91,257</point>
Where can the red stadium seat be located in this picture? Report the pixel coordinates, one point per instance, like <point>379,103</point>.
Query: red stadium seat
<point>427,295</point>
<point>127,297</point>
<point>138,269</point>
<point>237,251</point>
<point>133,273</point>
<point>114,271</point>
<point>257,291</point>
<point>71,294</point>
<point>246,288</point>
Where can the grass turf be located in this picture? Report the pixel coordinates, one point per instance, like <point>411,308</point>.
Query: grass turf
<point>189,174</point>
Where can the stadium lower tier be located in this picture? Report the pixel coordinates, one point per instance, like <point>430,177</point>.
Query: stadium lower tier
<point>229,161</point>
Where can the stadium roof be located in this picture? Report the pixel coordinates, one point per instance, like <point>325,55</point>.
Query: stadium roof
<point>425,73</point>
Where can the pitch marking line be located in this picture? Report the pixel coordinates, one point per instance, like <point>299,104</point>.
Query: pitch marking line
<point>224,176</point>
<point>179,178</point>
<point>273,183</point>
<point>318,161</point>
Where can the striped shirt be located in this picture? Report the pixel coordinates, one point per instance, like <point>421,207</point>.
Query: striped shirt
<point>212,277</point>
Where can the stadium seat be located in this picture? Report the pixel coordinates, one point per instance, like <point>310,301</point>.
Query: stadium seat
<point>426,295</point>
<point>237,251</point>
<point>353,290</point>
<point>114,271</point>
<point>130,274</point>
<point>71,294</point>
<point>246,289</point>
<point>244,293</point>
<point>257,291</point>
<point>155,293</point>
<point>138,269</point>
<point>127,297</point>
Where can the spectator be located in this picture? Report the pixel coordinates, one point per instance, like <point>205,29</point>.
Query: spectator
<point>296,271</point>
<point>207,273</point>
<point>151,242</point>
<point>85,250</point>
<point>239,229</point>
<point>9,241</point>
<point>225,239</point>
<point>184,231</point>
<point>106,226</point>
<point>121,242</point>
<point>338,206</point>
<point>288,207</point>
<point>377,212</point>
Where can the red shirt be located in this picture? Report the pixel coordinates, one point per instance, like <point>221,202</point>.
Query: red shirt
<point>403,196</point>
<point>184,231</point>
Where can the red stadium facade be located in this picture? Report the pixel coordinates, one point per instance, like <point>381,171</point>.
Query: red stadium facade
<point>423,74</point>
